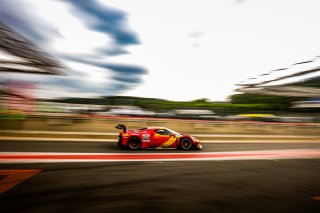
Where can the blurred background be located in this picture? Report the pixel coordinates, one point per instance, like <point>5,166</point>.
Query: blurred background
<point>95,61</point>
<point>242,76</point>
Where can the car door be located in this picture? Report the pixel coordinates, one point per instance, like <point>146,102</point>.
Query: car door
<point>162,138</point>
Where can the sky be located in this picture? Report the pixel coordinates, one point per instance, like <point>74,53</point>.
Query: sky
<point>171,49</point>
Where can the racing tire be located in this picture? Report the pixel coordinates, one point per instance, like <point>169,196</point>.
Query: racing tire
<point>186,144</point>
<point>134,143</point>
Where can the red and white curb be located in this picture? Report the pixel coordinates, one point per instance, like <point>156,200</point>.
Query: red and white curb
<point>41,157</point>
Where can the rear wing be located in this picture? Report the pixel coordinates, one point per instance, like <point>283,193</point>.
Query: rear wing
<point>123,127</point>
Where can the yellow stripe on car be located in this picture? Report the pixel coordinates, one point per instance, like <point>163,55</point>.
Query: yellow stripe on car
<point>169,142</point>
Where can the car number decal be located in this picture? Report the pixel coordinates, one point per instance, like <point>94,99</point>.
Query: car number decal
<point>146,137</point>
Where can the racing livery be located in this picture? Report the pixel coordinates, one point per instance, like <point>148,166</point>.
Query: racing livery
<point>155,137</point>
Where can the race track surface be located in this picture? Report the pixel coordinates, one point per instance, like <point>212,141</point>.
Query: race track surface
<point>220,185</point>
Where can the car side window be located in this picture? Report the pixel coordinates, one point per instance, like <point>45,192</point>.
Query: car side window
<point>162,132</point>
<point>158,131</point>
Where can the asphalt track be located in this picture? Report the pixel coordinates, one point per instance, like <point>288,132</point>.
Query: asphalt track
<point>233,185</point>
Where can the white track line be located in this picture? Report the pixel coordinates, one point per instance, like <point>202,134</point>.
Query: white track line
<point>51,157</point>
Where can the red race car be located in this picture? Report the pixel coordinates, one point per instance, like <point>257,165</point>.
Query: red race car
<point>155,137</point>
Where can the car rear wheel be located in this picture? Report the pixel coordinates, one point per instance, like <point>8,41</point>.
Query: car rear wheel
<point>134,143</point>
<point>185,144</point>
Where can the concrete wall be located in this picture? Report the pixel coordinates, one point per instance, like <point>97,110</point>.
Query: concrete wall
<point>184,126</point>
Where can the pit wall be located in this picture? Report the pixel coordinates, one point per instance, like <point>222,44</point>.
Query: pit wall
<point>183,126</point>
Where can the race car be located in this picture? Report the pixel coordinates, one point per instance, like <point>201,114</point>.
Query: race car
<point>155,137</point>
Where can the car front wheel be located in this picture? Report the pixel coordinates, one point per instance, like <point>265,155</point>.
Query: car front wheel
<point>185,144</point>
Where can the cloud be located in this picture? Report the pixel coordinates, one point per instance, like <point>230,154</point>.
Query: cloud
<point>195,34</point>
<point>127,73</point>
<point>125,69</point>
<point>20,20</point>
<point>86,73</point>
<point>120,72</point>
<point>106,20</point>
<point>195,37</point>
<point>237,2</point>
<point>125,79</point>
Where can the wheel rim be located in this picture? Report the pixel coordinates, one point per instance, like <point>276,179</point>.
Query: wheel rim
<point>134,144</point>
<point>186,144</point>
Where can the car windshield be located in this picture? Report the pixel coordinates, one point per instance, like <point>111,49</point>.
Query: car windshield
<point>173,132</point>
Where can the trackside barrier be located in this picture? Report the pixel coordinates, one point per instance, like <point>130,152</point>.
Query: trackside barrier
<point>87,124</point>
<point>15,135</point>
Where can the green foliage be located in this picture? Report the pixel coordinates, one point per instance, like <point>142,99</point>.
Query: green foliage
<point>266,99</point>
<point>274,103</point>
<point>243,103</point>
<point>12,115</point>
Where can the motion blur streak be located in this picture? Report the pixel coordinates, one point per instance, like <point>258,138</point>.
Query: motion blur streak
<point>37,157</point>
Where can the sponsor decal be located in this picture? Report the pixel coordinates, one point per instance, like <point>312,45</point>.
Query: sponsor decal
<point>145,137</point>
